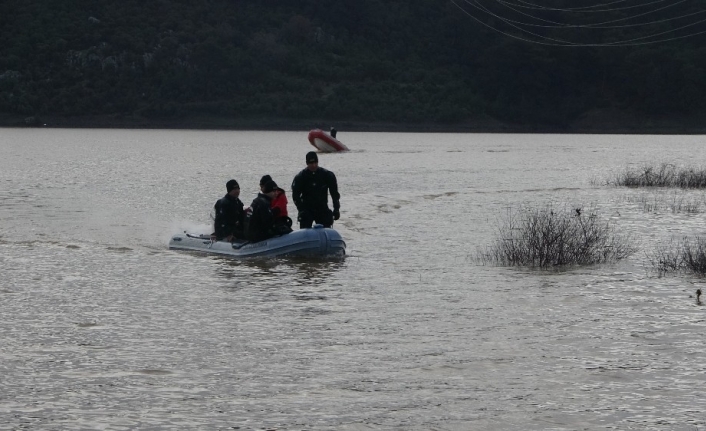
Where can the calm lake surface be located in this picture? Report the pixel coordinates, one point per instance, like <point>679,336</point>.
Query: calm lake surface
<point>103,327</point>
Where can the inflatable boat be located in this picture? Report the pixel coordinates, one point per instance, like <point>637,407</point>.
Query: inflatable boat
<point>325,142</point>
<point>314,242</point>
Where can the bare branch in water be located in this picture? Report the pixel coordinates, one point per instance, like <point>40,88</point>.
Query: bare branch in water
<point>546,237</point>
<point>662,175</point>
<point>685,255</point>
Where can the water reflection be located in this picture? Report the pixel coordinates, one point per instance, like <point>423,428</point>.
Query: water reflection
<point>290,271</point>
<point>313,272</point>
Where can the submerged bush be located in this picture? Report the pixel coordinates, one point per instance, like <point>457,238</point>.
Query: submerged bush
<point>664,175</point>
<point>676,201</point>
<point>546,237</point>
<point>686,255</point>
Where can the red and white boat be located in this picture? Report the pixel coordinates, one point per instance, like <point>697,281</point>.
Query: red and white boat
<point>325,142</point>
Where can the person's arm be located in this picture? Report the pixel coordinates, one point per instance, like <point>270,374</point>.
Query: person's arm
<point>335,196</point>
<point>229,220</point>
<point>297,191</point>
<point>333,189</point>
<point>217,221</point>
<point>239,229</point>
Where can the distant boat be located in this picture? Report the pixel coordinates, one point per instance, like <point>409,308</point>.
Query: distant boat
<point>325,142</point>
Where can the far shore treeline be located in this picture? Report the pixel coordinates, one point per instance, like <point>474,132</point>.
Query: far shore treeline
<point>417,65</point>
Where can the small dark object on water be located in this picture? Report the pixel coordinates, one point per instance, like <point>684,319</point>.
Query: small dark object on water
<point>578,212</point>
<point>698,296</point>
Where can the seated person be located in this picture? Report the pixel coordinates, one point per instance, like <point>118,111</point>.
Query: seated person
<point>260,221</point>
<point>228,223</point>
<point>279,207</point>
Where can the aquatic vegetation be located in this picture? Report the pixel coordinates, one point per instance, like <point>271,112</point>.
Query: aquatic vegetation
<point>662,175</point>
<point>675,201</point>
<point>685,255</point>
<point>546,237</point>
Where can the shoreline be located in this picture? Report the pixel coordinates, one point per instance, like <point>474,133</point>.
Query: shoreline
<point>595,123</point>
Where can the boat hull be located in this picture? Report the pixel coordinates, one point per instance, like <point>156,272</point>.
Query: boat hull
<point>325,142</point>
<point>314,242</point>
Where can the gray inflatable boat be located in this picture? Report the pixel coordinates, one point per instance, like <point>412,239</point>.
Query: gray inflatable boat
<point>314,242</point>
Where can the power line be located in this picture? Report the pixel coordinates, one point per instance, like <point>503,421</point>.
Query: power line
<point>507,18</point>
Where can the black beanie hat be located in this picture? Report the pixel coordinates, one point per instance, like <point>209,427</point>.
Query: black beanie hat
<point>232,184</point>
<point>311,157</point>
<point>269,187</point>
<point>265,179</point>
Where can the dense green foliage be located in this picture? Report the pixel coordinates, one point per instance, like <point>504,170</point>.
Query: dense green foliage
<point>374,61</point>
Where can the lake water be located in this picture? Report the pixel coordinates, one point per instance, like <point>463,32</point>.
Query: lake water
<point>103,327</point>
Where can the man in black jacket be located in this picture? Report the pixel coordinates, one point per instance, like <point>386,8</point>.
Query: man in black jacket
<point>228,224</point>
<point>310,190</point>
<point>261,222</point>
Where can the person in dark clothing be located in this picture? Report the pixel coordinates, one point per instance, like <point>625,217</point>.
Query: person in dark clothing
<point>260,220</point>
<point>333,132</point>
<point>310,190</point>
<point>279,203</point>
<point>283,224</point>
<point>228,223</point>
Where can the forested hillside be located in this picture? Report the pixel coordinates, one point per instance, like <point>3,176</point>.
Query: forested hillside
<point>378,63</point>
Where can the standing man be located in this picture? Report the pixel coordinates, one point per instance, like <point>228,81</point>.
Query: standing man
<point>310,190</point>
<point>228,224</point>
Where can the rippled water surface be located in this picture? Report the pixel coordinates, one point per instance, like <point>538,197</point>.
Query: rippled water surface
<point>103,327</point>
